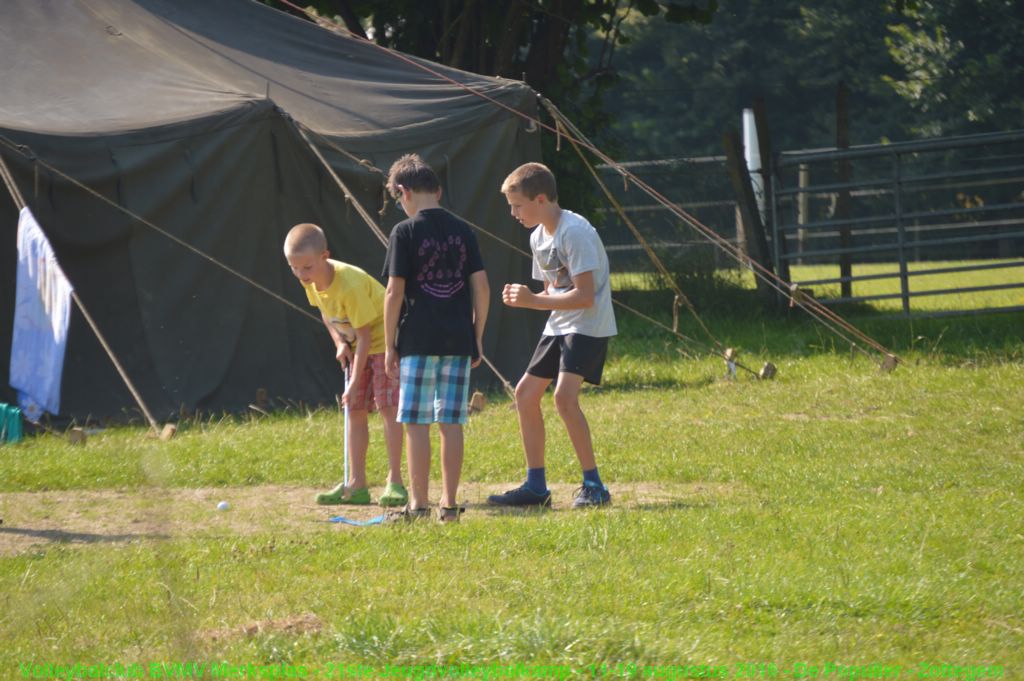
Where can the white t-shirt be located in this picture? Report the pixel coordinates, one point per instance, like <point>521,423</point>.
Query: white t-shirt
<point>573,249</point>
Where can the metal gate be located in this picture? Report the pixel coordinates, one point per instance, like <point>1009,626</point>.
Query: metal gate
<point>914,205</point>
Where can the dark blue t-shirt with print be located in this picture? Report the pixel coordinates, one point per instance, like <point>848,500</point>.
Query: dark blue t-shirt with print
<point>435,252</point>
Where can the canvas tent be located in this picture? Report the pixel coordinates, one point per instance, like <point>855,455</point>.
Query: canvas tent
<point>189,114</point>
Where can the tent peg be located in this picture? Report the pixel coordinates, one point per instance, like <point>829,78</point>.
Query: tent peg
<point>889,363</point>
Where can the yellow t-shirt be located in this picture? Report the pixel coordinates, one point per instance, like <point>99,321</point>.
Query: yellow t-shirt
<point>353,300</point>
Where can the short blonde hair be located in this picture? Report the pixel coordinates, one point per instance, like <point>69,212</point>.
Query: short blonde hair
<point>303,237</point>
<point>531,180</point>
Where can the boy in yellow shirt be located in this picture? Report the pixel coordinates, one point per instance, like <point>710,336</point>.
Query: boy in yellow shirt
<point>351,303</point>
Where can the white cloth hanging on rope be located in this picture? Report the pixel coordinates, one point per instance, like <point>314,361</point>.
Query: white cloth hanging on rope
<point>42,313</point>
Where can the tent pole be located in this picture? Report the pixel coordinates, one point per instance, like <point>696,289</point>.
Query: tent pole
<point>344,189</point>
<point>8,178</point>
<point>117,364</point>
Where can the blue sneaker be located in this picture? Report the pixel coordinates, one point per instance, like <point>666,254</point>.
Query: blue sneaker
<point>520,496</point>
<point>590,495</point>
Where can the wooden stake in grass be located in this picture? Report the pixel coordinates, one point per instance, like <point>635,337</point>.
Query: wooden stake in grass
<point>477,402</point>
<point>730,362</point>
<point>800,296</point>
<point>76,436</point>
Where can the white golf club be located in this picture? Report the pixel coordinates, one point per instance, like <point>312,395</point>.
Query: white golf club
<point>345,427</point>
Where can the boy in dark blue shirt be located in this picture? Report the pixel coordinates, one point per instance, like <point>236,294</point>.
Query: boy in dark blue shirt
<point>435,308</point>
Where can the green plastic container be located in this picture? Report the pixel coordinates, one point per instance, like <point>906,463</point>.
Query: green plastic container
<point>10,424</point>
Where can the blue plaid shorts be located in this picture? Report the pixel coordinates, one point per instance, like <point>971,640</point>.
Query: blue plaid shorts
<point>434,389</point>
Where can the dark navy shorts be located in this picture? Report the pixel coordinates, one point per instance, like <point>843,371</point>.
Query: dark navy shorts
<point>573,353</point>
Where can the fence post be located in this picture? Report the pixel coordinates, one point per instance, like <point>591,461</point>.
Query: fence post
<point>764,143</point>
<point>897,192</point>
<point>757,242</point>
<point>741,237</point>
<point>843,197</point>
<point>802,207</point>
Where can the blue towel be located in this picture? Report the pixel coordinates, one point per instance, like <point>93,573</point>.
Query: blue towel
<point>42,313</point>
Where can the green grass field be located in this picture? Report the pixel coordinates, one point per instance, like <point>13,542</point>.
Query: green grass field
<point>837,517</point>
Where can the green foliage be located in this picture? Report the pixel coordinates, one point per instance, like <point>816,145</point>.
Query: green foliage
<point>543,40</point>
<point>656,79</point>
<point>546,43</point>
<point>911,68</point>
<point>683,85</point>
<point>962,62</point>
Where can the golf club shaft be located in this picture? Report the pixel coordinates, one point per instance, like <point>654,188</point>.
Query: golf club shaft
<point>345,410</point>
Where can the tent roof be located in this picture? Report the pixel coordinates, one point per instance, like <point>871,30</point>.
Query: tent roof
<point>103,66</point>
<point>185,112</point>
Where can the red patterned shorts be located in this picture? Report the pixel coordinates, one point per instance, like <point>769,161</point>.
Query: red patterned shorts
<point>374,388</point>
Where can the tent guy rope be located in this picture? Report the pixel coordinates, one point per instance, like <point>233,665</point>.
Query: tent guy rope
<point>37,162</point>
<point>818,311</point>
<point>363,213</point>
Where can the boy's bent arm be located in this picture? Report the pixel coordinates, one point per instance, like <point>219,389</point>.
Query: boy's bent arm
<point>393,297</point>
<point>341,345</point>
<point>364,335</point>
<point>581,297</point>
<point>480,289</point>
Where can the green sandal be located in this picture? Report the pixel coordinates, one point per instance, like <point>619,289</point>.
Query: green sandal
<point>343,495</point>
<point>394,495</point>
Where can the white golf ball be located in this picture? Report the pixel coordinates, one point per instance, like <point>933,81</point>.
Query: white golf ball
<point>223,506</point>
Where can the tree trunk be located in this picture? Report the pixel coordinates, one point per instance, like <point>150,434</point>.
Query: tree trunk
<point>509,44</point>
<point>549,44</point>
<point>352,23</point>
<point>462,38</point>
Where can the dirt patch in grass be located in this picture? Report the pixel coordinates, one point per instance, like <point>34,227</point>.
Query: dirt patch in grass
<point>307,623</point>
<point>36,520</point>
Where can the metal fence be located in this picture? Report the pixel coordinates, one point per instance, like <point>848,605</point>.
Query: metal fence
<point>699,185</point>
<point>916,205</point>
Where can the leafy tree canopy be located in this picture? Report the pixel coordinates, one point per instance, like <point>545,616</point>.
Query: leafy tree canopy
<point>548,43</point>
<point>962,63</point>
<point>912,67</point>
<point>662,78</point>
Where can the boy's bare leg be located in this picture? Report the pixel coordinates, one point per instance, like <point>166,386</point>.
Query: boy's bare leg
<point>529,392</point>
<point>393,442</point>
<point>417,454</point>
<point>358,442</point>
<point>567,400</point>
<point>452,451</point>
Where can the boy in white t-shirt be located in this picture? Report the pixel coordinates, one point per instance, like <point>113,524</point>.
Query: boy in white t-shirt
<point>569,258</point>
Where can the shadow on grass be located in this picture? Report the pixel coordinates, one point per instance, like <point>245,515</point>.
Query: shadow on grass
<point>502,511</point>
<point>66,537</point>
<point>661,506</point>
<point>669,506</point>
<point>666,383</point>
